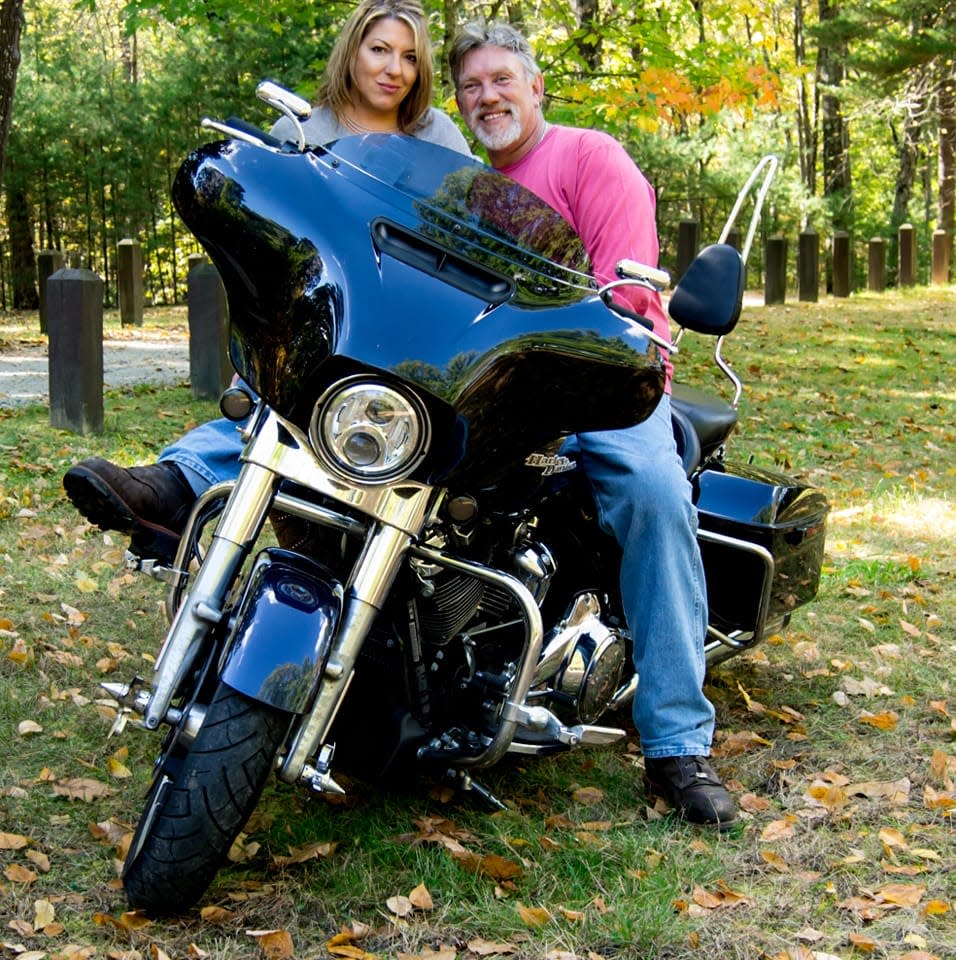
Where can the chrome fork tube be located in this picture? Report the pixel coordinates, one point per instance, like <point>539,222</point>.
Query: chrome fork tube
<point>238,527</point>
<point>372,578</point>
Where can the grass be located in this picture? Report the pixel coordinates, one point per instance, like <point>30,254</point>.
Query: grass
<point>838,736</point>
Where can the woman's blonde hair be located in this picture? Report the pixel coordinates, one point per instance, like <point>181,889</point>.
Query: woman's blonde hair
<point>337,81</point>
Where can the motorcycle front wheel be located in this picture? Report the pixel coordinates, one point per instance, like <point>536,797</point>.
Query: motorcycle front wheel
<point>199,801</point>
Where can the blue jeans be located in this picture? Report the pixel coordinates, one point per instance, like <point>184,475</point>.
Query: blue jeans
<point>644,500</point>
<point>208,454</point>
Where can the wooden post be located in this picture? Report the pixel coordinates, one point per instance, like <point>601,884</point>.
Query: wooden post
<point>775,265</point>
<point>876,265</point>
<point>48,262</point>
<point>735,240</point>
<point>907,256</point>
<point>75,352</point>
<point>808,266</point>
<point>941,246</point>
<point>209,368</point>
<point>129,282</point>
<point>841,264</point>
<point>688,243</point>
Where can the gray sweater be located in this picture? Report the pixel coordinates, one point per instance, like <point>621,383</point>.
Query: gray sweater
<point>323,127</point>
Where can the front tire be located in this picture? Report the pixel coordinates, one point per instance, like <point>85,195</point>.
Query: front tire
<point>199,801</point>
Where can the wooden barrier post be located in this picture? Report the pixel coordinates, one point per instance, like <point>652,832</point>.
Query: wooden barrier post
<point>775,279</point>
<point>941,264</point>
<point>808,266</point>
<point>876,265</point>
<point>48,262</point>
<point>75,353</point>
<point>907,255</point>
<point>129,280</point>
<point>209,367</point>
<point>688,243</point>
<point>841,264</point>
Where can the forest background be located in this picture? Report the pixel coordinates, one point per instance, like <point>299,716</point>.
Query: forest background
<point>856,97</point>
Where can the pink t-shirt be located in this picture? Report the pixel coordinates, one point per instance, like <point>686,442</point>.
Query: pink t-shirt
<point>588,177</point>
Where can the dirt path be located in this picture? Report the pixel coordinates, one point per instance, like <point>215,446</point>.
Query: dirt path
<point>24,376</point>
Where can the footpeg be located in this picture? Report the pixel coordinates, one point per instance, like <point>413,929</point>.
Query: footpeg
<point>543,732</point>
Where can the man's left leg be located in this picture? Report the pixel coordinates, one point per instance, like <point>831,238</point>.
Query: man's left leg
<point>644,499</point>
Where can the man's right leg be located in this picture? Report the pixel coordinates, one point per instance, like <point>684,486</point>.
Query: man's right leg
<point>152,503</point>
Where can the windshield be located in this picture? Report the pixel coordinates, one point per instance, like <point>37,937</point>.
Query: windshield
<point>449,188</point>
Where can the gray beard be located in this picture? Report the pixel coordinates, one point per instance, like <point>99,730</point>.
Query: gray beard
<point>501,140</point>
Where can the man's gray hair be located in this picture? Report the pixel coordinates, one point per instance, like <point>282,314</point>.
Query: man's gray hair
<point>478,34</point>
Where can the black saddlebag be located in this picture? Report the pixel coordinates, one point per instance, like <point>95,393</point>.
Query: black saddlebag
<point>761,538</point>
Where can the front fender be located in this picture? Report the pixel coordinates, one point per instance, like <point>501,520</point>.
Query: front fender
<point>282,633</point>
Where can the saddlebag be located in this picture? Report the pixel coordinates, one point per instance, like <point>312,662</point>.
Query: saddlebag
<point>761,537</point>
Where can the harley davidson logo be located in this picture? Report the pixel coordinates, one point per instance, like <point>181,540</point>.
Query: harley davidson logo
<point>549,464</point>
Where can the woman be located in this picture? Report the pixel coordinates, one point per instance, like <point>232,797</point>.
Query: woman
<point>379,79</point>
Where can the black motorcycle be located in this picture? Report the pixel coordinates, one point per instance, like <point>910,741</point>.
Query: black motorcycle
<point>416,335</point>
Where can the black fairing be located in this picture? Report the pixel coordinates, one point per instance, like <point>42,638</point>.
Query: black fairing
<point>386,254</point>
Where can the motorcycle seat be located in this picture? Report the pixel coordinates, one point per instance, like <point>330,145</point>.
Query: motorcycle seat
<point>712,418</point>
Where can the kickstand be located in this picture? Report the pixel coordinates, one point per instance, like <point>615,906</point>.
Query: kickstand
<point>464,784</point>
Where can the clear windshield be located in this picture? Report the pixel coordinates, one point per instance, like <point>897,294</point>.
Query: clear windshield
<point>448,186</point>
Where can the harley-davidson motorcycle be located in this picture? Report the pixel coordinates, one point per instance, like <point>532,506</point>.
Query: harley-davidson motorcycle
<point>416,335</point>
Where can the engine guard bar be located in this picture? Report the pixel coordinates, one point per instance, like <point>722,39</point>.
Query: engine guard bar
<point>720,643</point>
<point>513,711</point>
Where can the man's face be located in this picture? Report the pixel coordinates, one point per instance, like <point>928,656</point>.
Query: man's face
<point>498,101</point>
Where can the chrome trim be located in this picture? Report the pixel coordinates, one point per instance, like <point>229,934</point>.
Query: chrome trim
<point>238,526</point>
<point>724,646</point>
<point>514,711</point>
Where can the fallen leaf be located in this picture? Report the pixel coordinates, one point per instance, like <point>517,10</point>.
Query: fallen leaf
<point>13,841</point>
<point>886,720</point>
<point>485,948</point>
<point>421,899</point>
<point>78,788</point>
<point>400,906</point>
<point>588,795</point>
<point>779,830</point>
<point>902,894</point>
<point>534,916</point>
<point>17,873</point>
<point>275,944</point>
<point>216,915</point>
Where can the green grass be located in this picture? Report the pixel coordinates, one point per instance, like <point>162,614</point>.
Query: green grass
<point>856,396</point>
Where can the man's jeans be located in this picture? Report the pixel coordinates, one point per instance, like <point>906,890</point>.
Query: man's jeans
<point>643,499</point>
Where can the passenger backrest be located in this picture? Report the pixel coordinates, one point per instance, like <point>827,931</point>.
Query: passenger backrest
<point>709,295</point>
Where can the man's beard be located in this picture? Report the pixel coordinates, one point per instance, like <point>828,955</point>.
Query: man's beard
<point>500,139</point>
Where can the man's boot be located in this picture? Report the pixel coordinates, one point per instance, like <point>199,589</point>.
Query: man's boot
<point>151,504</point>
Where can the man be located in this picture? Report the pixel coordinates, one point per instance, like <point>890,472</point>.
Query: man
<point>639,486</point>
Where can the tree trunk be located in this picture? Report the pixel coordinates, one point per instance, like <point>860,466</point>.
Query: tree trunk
<point>837,184</point>
<point>22,255</point>
<point>946,98</point>
<point>11,23</point>
<point>588,36</point>
<point>806,134</point>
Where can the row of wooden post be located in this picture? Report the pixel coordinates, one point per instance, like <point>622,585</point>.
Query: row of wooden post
<point>808,261</point>
<point>71,314</point>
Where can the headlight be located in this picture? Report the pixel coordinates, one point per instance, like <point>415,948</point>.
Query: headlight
<point>369,432</point>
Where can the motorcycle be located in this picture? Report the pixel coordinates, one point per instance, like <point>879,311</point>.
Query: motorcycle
<point>416,335</point>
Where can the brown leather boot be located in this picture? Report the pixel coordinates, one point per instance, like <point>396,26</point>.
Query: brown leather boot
<point>150,503</point>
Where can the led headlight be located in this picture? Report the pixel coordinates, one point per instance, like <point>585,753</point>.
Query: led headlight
<point>369,432</point>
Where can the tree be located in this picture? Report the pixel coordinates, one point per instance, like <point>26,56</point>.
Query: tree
<point>11,23</point>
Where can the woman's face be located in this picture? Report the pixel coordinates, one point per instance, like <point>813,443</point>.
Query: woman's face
<point>385,68</point>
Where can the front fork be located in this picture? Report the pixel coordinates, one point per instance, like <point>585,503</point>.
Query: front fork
<point>398,512</point>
